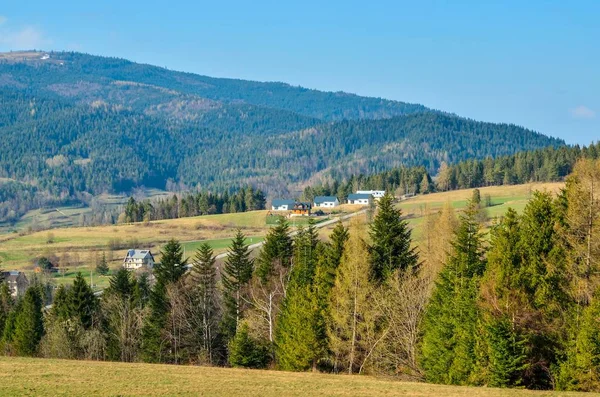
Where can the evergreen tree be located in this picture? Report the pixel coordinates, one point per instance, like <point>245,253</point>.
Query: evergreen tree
<point>204,278</point>
<point>451,318</point>
<point>83,304</point>
<point>172,264</point>
<point>29,325</point>
<point>237,272</point>
<point>6,304</point>
<point>296,337</point>
<point>276,251</point>
<point>391,241</point>
<point>102,266</point>
<point>61,306</point>
<point>505,307</point>
<point>581,369</point>
<point>352,328</point>
<point>122,284</point>
<point>245,351</point>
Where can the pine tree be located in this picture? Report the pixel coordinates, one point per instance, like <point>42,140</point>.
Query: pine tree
<point>29,325</point>
<point>450,322</point>
<point>82,302</point>
<point>204,278</point>
<point>391,241</point>
<point>102,266</point>
<point>236,274</point>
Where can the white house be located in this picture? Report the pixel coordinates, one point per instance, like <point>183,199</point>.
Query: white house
<point>377,194</point>
<point>360,198</point>
<point>326,201</point>
<point>136,259</point>
<point>282,205</point>
<point>17,282</point>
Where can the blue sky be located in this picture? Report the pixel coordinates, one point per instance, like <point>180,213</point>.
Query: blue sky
<point>534,63</point>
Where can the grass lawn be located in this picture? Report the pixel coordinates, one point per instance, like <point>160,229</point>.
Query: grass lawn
<point>19,251</point>
<point>40,377</point>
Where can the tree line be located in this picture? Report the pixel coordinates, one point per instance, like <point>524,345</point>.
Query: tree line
<point>521,309</point>
<point>550,164</point>
<point>193,204</point>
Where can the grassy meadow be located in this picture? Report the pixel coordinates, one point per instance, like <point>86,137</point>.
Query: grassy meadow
<point>79,248</point>
<point>502,198</point>
<point>49,377</point>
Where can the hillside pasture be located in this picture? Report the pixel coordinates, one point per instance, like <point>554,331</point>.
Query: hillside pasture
<point>50,377</point>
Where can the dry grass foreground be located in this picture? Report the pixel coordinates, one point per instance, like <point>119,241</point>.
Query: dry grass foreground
<point>41,377</point>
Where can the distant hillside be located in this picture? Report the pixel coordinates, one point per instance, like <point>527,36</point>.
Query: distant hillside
<point>79,124</point>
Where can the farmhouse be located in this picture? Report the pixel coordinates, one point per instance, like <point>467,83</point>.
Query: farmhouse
<point>377,194</point>
<point>326,201</point>
<point>17,282</point>
<point>282,205</point>
<point>137,259</point>
<point>302,209</point>
<point>360,198</point>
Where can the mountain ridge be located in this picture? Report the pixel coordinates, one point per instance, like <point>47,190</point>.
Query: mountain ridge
<point>79,124</point>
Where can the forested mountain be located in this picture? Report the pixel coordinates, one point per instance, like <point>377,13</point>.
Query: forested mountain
<point>77,123</point>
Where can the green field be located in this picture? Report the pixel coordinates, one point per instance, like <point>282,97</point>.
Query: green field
<point>41,377</point>
<point>502,198</point>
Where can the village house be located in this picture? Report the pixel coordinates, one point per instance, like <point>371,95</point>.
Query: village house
<point>301,209</point>
<point>17,282</point>
<point>326,201</point>
<point>137,259</point>
<point>377,194</point>
<point>282,205</point>
<point>360,198</point>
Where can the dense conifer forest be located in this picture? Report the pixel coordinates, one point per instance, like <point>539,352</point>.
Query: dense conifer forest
<point>76,125</point>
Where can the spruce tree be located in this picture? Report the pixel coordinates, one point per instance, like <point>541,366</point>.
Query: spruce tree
<point>276,251</point>
<point>6,304</point>
<point>122,285</point>
<point>61,306</point>
<point>29,325</point>
<point>102,266</point>
<point>580,371</point>
<point>451,317</point>
<point>172,264</point>
<point>83,304</point>
<point>245,351</point>
<point>296,338</point>
<point>237,272</point>
<point>391,241</point>
<point>505,307</point>
<point>204,277</point>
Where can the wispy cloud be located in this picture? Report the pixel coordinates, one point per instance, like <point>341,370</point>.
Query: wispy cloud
<point>25,38</point>
<point>582,112</point>
<point>3,19</point>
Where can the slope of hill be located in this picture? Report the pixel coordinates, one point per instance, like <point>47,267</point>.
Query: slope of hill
<point>78,124</point>
<point>31,376</point>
